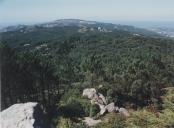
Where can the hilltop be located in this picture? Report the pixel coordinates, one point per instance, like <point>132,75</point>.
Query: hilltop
<point>59,28</point>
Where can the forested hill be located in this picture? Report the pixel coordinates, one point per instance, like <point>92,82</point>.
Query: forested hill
<point>52,63</point>
<point>60,29</point>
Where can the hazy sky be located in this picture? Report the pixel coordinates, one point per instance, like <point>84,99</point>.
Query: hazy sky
<point>34,11</point>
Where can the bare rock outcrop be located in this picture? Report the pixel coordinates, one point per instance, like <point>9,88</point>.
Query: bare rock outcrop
<point>100,100</point>
<point>111,107</point>
<point>24,115</point>
<point>89,92</point>
<point>94,96</point>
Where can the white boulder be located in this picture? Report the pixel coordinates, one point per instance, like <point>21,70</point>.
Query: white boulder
<point>100,100</point>
<point>24,115</point>
<point>111,107</point>
<point>89,92</point>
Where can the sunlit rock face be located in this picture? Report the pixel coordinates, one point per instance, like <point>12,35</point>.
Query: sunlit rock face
<point>23,115</point>
<point>89,92</point>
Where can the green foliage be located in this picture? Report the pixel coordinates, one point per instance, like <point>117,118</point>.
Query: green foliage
<point>143,119</point>
<point>146,119</point>
<point>112,120</point>
<point>132,69</point>
<point>68,123</point>
<point>27,77</point>
<point>119,122</point>
<point>72,109</point>
<point>94,110</point>
<point>168,99</point>
<point>73,104</point>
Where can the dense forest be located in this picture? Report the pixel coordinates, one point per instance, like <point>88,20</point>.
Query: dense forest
<point>53,65</point>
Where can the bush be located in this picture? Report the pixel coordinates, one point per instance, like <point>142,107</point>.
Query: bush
<point>168,98</point>
<point>112,120</point>
<point>119,122</point>
<point>94,110</point>
<point>72,109</point>
<point>74,105</point>
<point>167,118</point>
<point>143,119</point>
<point>68,123</point>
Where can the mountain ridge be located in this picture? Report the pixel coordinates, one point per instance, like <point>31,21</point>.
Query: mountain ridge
<point>77,23</point>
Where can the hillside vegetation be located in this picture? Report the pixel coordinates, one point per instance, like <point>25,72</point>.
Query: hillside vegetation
<point>52,65</point>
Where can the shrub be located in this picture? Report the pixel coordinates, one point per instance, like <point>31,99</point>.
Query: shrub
<point>94,109</point>
<point>112,120</point>
<point>143,119</point>
<point>74,105</point>
<point>72,109</point>
<point>68,123</point>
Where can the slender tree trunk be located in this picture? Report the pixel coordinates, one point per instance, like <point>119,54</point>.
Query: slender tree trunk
<point>48,89</point>
<point>43,90</point>
<point>4,102</point>
<point>10,98</point>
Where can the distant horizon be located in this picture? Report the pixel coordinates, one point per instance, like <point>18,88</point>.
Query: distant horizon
<point>140,24</point>
<point>134,12</point>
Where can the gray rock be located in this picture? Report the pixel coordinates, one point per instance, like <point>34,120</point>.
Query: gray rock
<point>102,98</point>
<point>91,122</point>
<point>92,94</point>
<point>111,107</point>
<point>89,92</point>
<point>124,112</point>
<point>102,109</point>
<point>116,108</point>
<point>24,115</point>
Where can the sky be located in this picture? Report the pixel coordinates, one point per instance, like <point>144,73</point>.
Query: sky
<point>116,11</point>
